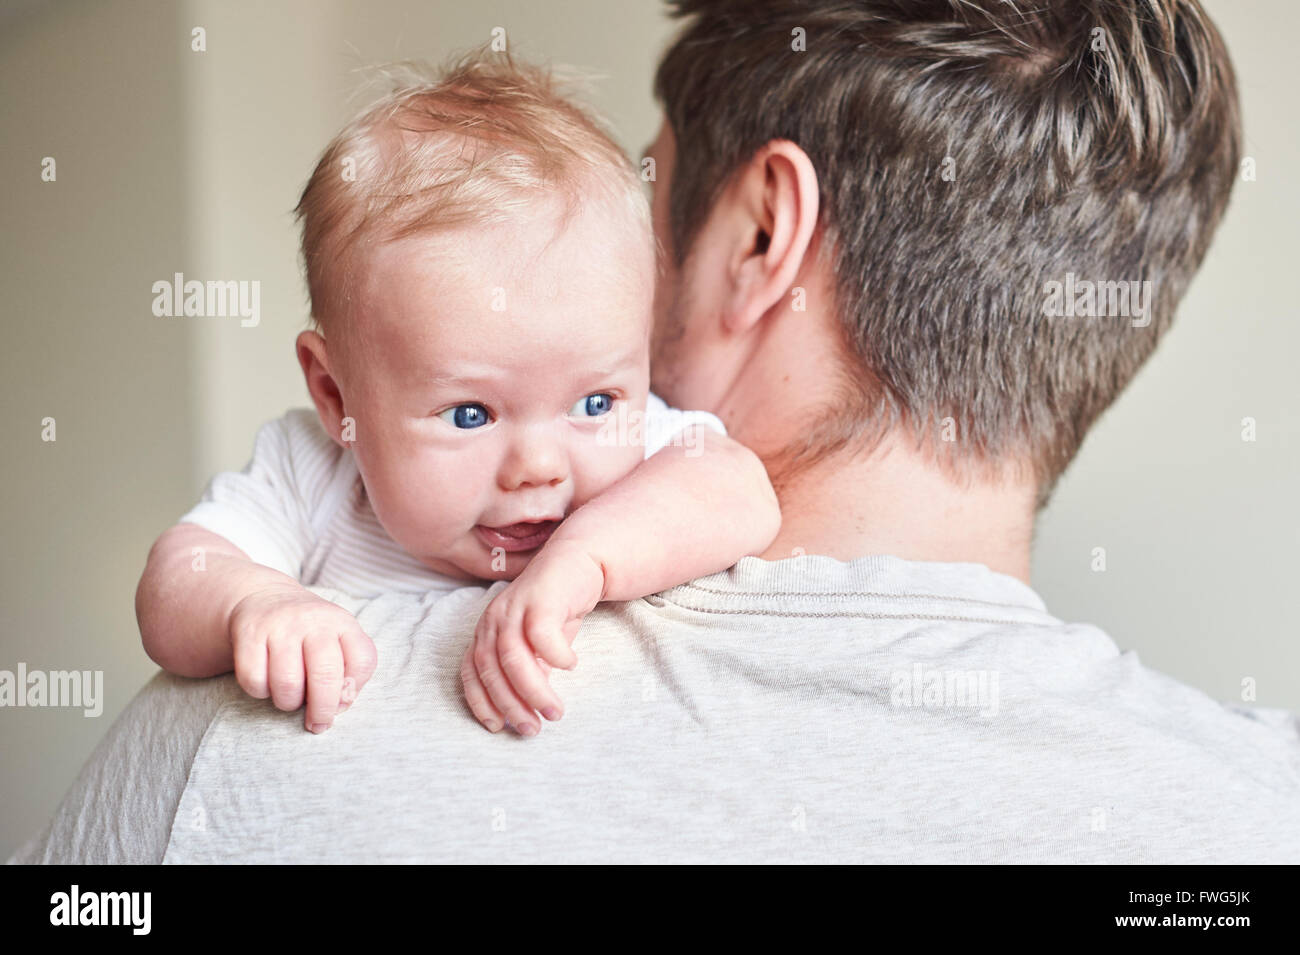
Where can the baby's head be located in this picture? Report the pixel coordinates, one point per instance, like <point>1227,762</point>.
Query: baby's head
<point>481,269</point>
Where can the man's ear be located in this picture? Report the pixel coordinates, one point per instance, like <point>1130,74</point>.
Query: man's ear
<point>325,393</point>
<point>777,199</point>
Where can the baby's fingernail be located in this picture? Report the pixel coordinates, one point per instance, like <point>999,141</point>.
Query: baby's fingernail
<point>349,691</point>
<point>528,729</point>
<point>551,713</point>
<point>319,727</point>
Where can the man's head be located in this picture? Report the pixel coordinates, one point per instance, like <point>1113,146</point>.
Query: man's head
<point>481,268</point>
<point>964,156</point>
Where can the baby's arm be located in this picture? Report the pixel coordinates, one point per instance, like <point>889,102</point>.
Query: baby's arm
<point>220,590</point>
<point>685,512</point>
<point>205,608</point>
<point>190,586</point>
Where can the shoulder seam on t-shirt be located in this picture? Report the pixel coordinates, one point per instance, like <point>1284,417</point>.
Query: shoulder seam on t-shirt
<point>866,593</point>
<point>864,615</point>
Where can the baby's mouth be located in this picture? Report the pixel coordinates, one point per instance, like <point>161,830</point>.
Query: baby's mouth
<point>526,535</point>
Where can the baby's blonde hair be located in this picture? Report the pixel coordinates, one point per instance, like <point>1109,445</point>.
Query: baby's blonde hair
<point>481,141</point>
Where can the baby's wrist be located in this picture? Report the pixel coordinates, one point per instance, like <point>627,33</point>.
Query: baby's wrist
<point>255,584</point>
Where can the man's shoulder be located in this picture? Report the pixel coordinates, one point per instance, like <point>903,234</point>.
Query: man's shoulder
<point>994,689</point>
<point>1196,735</point>
<point>121,807</point>
<point>928,651</point>
<point>910,726</point>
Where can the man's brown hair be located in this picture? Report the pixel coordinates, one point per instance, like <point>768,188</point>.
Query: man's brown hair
<point>969,154</point>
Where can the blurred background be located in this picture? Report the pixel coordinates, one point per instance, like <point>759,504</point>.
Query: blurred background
<point>169,159</point>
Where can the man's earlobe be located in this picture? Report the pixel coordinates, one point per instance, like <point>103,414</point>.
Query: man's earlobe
<point>313,356</point>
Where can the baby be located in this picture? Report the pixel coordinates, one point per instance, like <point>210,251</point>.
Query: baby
<point>481,269</point>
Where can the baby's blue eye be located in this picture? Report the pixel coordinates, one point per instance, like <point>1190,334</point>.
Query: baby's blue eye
<point>465,416</point>
<point>593,405</point>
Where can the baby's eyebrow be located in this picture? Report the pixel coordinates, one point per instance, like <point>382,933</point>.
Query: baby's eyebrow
<point>449,379</point>
<point>608,371</point>
<point>492,376</point>
<point>619,364</point>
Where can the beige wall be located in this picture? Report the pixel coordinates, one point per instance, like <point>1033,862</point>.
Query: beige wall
<point>97,88</point>
<point>170,160</point>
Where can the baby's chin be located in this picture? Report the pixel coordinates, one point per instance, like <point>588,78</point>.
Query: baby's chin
<point>513,569</point>
<point>489,568</point>
<point>471,571</point>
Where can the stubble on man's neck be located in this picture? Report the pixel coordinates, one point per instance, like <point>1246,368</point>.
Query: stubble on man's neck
<point>854,481</point>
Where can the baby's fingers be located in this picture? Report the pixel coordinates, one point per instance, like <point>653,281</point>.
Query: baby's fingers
<point>480,704</point>
<point>522,666</point>
<point>251,666</point>
<point>544,631</point>
<point>286,676</point>
<point>323,658</point>
<point>359,660</point>
<point>491,655</point>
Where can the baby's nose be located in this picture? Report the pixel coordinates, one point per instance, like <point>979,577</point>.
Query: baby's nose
<point>536,460</point>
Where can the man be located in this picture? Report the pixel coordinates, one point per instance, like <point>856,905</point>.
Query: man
<point>877,220</point>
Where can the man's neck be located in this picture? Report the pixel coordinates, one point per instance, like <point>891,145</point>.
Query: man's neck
<point>894,502</point>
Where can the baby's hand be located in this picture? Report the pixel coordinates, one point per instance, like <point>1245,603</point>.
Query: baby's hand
<point>288,642</point>
<point>525,631</point>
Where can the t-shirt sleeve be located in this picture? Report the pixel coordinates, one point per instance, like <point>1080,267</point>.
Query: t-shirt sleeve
<point>663,424</point>
<point>267,509</point>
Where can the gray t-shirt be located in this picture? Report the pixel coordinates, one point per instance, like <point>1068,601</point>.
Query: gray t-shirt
<point>807,709</point>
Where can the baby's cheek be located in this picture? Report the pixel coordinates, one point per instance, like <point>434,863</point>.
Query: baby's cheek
<point>600,471</point>
<point>444,506</point>
<point>421,504</point>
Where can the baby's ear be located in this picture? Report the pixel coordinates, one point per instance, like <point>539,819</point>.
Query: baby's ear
<point>314,359</point>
